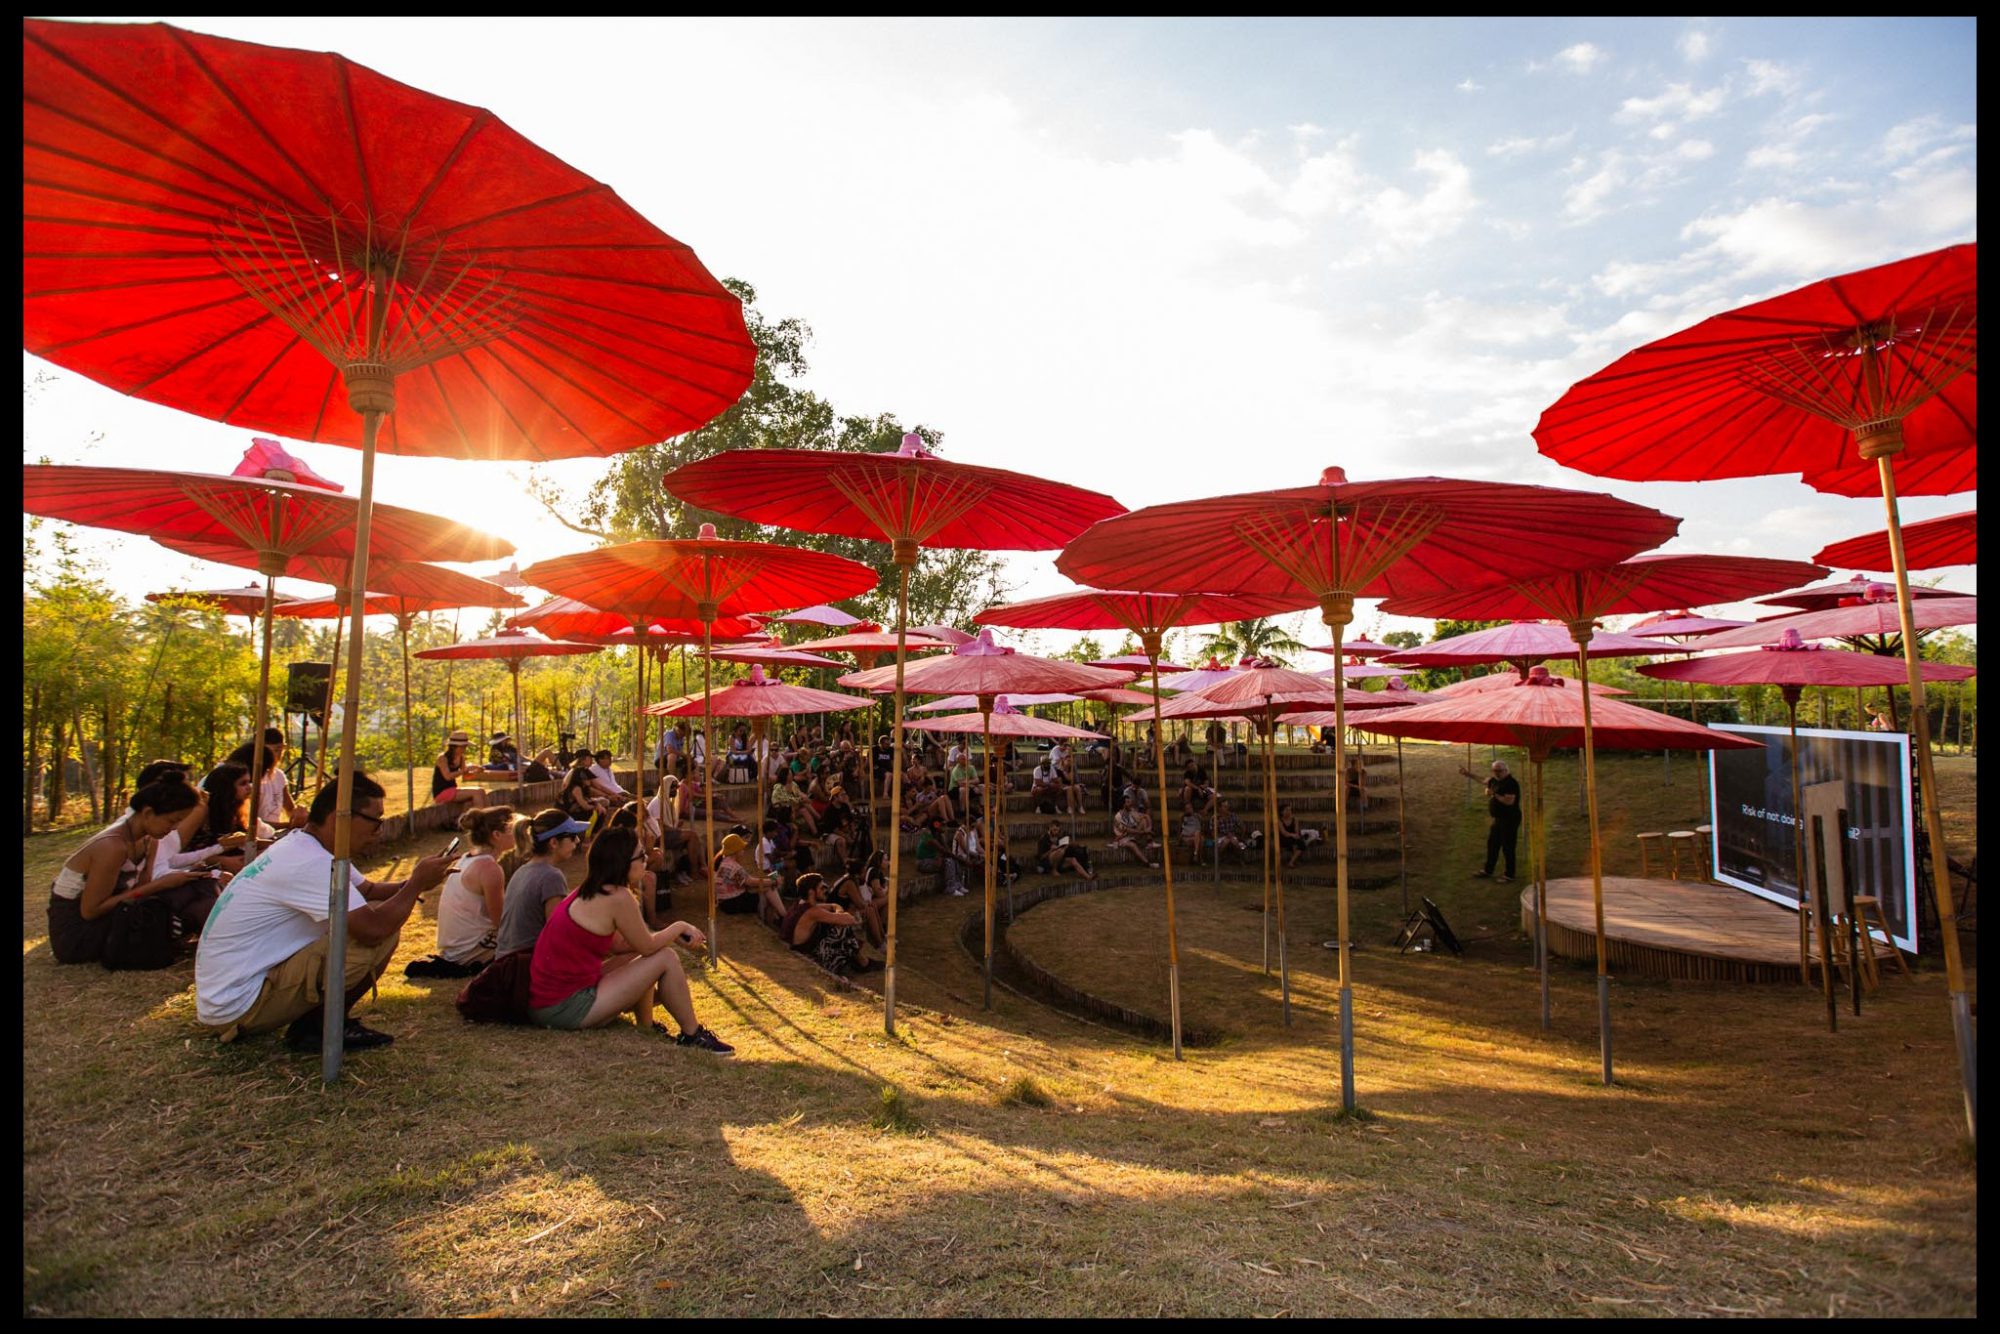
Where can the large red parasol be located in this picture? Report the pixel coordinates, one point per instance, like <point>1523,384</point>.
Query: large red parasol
<point>984,670</point>
<point>911,500</point>
<point>1148,616</point>
<point>1827,381</point>
<point>511,649</point>
<point>247,601</point>
<point>1791,664</point>
<point>1863,619</point>
<point>288,240</point>
<point>1339,540</point>
<point>1846,592</point>
<point>1579,599</point>
<point>1479,685</point>
<point>1950,540</point>
<point>1541,713</point>
<point>820,615</point>
<point>1355,648</point>
<point>702,578</point>
<point>1682,625</point>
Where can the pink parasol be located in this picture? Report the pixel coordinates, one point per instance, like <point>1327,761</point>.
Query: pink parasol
<point>1020,700</point>
<point>770,654</point>
<point>1134,662</point>
<point>1355,648</point>
<point>1359,671</point>
<point>1522,644</point>
<point>1541,713</point>
<point>268,458</point>
<point>1869,618</point>
<point>1198,678</point>
<point>1848,591</point>
<point>819,615</point>
<point>943,634</point>
<point>1479,685</point>
<point>1682,625</point>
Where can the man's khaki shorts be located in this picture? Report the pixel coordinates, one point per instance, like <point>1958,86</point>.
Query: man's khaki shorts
<point>295,987</point>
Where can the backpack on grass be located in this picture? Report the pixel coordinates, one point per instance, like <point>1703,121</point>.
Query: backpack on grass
<point>499,994</point>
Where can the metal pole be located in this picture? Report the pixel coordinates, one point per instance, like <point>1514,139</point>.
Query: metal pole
<point>906,558</point>
<point>1580,631</point>
<point>1150,640</point>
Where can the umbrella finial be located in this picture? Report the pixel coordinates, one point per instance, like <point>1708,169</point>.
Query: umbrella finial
<point>981,645</point>
<point>1000,705</point>
<point>1333,477</point>
<point>1539,676</point>
<point>268,459</point>
<point>1878,592</point>
<point>707,534</point>
<point>1789,642</point>
<point>913,447</point>
<point>756,677</point>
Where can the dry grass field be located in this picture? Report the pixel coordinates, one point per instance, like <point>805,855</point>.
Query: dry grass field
<point>1022,1162</point>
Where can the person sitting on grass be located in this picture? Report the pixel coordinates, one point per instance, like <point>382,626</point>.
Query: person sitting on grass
<point>450,772</point>
<point>1132,831</point>
<point>851,894</point>
<point>596,959</point>
<point>538,884</point>
<point>263,956</point>
<point>1056,854</point>
<point>110,869</point>
<point>195,844</point>
<point>472,901</point>
<point>275,807</point>
<point>738,891</point>
<point>824,930</point>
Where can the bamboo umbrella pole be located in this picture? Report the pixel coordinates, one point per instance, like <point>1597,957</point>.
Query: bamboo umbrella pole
<point>1337,611</point>
<point>707,612</point>
<point>332,685</point>
<point>1920,728</point>
<point>986,738</point>
<point>1538,843</point>
<point>263,700</point>
<point>1580,632</point>
<point>1269,730</point>
<point>1402,837</point>
<point>905,554</point>
<point>638,738</point>
<point>409,754</point>
<point>1791,694</point>
<point>1150,640</point>
<point>758,727</point>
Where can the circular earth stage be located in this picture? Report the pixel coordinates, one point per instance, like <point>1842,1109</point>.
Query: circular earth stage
<point>1676,929</point>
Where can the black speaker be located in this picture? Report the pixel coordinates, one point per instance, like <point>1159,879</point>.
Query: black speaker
<point>309,688</point>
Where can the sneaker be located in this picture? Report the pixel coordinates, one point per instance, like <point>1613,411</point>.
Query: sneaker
<point>357,1036</point>
<point>705,1040</point>
<point>1504,879</point>
<point>1482,875</point>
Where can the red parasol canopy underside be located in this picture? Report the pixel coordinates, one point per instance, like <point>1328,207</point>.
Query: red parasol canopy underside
<point>248,601</point>
<point>425,587</point>
<point>508,648</point>
<point>1394,538</point>
<point>1950,540</point>
<point>531,313</point>
<point>757,696</point>
<point>1644,583</point>
<point>908,495</point>
<point>245,514</point>
<point>1541,713</point>
<point>702,576</point>
<point>1779,386</point>
<point>1140,613</point>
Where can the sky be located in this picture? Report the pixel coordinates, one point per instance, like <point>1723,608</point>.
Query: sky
<point>1165,259</point>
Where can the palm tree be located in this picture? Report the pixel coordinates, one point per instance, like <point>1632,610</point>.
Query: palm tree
<point>1259,637</point>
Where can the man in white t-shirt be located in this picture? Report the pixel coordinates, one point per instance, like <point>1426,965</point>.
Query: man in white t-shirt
<point>262,959</point>
<point>607,783</point>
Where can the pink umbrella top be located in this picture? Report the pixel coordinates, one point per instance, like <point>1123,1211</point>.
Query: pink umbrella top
<point>866,640</point>
<point>1135,662</point>
<point>268,458</point>
<point>1358,671</point>
<point>1259,688</point>
<point>246,601</point>
<point>1479,685</point>
<point>960,703</point>
<point>820,615</point>
<point>568,618</point>
<point>758,696</point>
<point>512,649</point>
<point>1682,624</point>
<point>1543,712</point>
<point>943,634</point>
<point>1525,642</point>
<point>1140,613</point>
<point>1793,662</point>
<point>771,656</point>
<point>1852,589</point>
<point>1005,720</point>
<point>427,587</point>
<point>1200,677</point>
<point>1870,618</point>
<point>1362,647</point>
<point>1643,583</point>
<point>1950,540</point>
<point>982,667</point>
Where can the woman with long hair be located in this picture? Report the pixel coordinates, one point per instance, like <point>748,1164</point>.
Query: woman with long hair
<point>579,979</point>
<point>110,870</point>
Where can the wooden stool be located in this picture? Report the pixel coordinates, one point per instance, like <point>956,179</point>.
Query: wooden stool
<point>1707,832</point>
<point>1677,840</point>
<point>1646,842</point>
<point>1866,905</point>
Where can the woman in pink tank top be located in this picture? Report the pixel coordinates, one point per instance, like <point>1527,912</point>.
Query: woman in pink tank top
<point>596,958</point>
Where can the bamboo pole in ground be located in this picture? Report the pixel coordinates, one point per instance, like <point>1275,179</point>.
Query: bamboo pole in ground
<point>1580,632</point>
<point>1277,866</point>
<point>986,742</point>
<point>1150,640</point>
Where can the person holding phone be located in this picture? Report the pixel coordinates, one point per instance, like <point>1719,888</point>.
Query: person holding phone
<point>1503,813</point>
<point>470,904</point>
<point>262,961</point>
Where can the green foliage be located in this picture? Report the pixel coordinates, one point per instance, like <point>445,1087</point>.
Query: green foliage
<point>628,503</point>
<point>1025,1092</point>
<point>1260,637</point>
<point>894,1113</point>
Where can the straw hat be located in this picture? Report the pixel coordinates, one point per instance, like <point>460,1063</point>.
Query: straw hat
<point>458,738</point>
<point>733,844</point>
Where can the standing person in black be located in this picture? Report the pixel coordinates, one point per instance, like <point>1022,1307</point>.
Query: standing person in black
<point>1503,809</point>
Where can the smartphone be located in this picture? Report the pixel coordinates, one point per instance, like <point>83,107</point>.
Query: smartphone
<point>451,848</point>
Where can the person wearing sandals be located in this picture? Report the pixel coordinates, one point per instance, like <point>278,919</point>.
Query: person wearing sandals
<point>581,978</point>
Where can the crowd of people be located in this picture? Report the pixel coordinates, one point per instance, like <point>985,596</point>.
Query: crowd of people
<point>235,869</point>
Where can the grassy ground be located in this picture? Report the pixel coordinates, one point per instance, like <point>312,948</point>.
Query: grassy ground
<point>1020,1162</point>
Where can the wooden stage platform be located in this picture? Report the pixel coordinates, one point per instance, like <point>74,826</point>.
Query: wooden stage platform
<point>1676,928</point>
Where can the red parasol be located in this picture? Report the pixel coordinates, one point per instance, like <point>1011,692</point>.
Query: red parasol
<point>771,657</point>
<point>1359,671</point>
<point>1868,618</point>
<point>1950,540</point>
<point>1355,648</point>
<point>1521,644</point>
<point>510,649</point>
<point>1579,599</point>
<point>1479,685</point>
<point>1848,591</point>
<point>1865,369</point>
<point>247,601</point>
<point>288,240</point>
<point>821,615</point>
<point>1340,540</point>
<point>567,618</point>
<point>1020,700</point>
<point>1005,720</point>
<point>911,500</point>
<point>1682,625</point>
<point>1148,616</point>
<point>984,670</point>
<point>1198,678</point>
<point>1539,714</point>
<point>268,458</point>
<point>1791,664</point>
<point>701,579</point>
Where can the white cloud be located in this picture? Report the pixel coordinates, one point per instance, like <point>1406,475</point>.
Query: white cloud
<point>1522,145</point>
<point>1925,134</point>
<point>1771,76</point>
<point>1695,46</point>
<point>1581,58</point>
<point>1695,150</point>
<point>1677,101</point>
<point>1794,239</point>
<point>1407,220</point>
<point>1469,85</point>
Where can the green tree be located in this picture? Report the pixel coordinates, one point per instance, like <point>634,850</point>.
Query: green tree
<point>628,503</point>
<point>1259,637</point>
